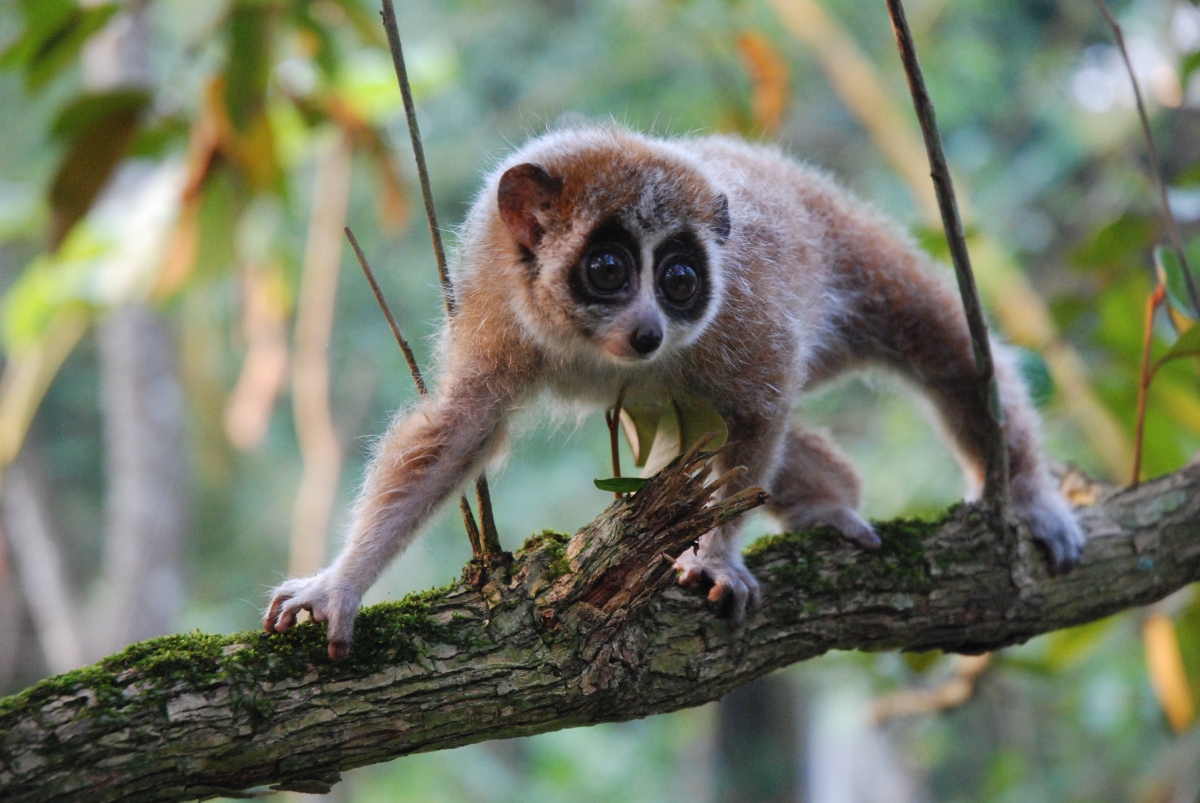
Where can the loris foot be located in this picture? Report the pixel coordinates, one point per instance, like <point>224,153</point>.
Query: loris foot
<point>731,580</point>
<point>1054,526</point>
<point>327,597</point>
<point>852,526</point>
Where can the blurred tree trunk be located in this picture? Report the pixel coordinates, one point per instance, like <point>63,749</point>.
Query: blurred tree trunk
<point>11,611</point>
<point>143,413</point>
<point>759,751</point>
<point>144,466</point>
<point>33,549</point>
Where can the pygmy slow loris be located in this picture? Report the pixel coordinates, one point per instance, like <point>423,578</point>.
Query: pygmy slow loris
<point>597,259</point>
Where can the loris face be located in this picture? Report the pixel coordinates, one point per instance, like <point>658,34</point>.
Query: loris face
<point>620,250</point>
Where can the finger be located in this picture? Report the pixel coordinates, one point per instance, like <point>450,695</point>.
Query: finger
<point>718,591</point>
<point>341,628</point>
<point>738,615</point>
<point>755,600</point>
<point>287,616</point>
<point>272,615</point>
<point>689,576</point>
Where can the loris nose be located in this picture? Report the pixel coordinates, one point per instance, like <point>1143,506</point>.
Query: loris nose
<point>646,338</point>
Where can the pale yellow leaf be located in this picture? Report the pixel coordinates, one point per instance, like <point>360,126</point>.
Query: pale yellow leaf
<point>1164,663</point>
<point>640,422</point>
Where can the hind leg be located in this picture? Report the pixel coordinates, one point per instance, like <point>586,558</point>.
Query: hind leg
<point>816,484</point>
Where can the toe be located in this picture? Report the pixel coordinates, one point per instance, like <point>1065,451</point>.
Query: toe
<point>269,621</point>
<point>718,591</point>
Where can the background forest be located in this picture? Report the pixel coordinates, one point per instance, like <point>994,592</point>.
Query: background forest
<point>194,367</point>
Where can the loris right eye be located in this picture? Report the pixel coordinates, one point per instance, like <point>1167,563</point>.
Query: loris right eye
<point>607,270</point>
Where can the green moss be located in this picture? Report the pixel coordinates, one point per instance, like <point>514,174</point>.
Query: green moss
<point>549,540</point>
<point>816,560</point>
<point>385,634</point>
<point>553,546</point>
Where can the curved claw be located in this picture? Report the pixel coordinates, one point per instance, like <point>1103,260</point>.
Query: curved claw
<point>733,586</point>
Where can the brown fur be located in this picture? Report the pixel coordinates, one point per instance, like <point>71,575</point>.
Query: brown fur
<point>804,282</point>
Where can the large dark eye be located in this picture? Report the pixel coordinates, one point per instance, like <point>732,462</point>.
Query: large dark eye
<point>607,270</point>
<point>678,280</point>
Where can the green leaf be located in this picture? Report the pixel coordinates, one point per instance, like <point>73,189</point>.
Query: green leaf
<point>1069,648</point>
<point>1188,345</point>
<point>89,110</point>
<point>1036,374</point>
<point>101,131</point>
<point>922,662</point>
<point>55,32</point>
<point>697,419</point>
<point>249,67</point>
<point>622,485</point>
<point>1118,247</point>
<point>1188,66</point>
<point>1170,275</point>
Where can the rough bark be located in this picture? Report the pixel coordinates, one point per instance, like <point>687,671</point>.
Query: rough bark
<point>585,630</point>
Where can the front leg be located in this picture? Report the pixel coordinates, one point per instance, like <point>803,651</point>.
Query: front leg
<point>422,459</point>
<point>754,443</point>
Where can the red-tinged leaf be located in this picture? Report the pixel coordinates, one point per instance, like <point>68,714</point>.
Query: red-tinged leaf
<point>769,74</point>
<point>252,151</point>
<point>390,199</point>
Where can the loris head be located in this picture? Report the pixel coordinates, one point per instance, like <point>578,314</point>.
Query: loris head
<point>615,243</point>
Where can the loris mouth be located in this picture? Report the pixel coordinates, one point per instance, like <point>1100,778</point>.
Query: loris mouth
<point>622,352</point>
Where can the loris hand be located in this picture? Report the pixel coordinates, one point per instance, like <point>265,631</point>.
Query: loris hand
<point>731,579</point>
<point>328,597</point>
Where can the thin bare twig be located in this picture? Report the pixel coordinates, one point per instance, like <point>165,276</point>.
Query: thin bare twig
<point>995,489</point>
<point>409,358</point>
<point>410,113</point>
<point>491,539</point>
<point>613,419</point>
<point>415,370</point>
<point>1152,152</point>
<point>1147,373</point>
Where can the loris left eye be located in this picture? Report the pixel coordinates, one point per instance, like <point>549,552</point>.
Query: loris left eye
<point>678,280</point>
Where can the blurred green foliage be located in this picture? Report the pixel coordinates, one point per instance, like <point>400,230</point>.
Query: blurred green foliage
<point>1038,129</point>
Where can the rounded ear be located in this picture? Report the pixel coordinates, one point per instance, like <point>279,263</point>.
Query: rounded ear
<point>526,190</point>
<point>720,222</point>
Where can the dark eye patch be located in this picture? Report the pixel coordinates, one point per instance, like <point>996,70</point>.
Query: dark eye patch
<point>681,277</point>
<point>607,270</point>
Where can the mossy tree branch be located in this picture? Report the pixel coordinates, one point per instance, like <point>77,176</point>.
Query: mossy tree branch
<point>588,629</point>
